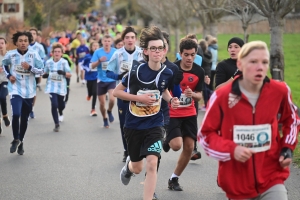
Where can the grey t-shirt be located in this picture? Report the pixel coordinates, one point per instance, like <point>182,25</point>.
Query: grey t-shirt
<point>251,97</point>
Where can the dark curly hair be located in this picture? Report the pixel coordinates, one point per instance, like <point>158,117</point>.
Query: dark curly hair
<point>128,29</point>
<point>187,43</point>
<point>166,36</point>
<point>18,34</point>
<point>149,34</point>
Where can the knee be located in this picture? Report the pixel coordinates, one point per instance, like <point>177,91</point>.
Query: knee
<point>175,145</point>
<point>152,164</point>
<point>189,147</point>
<point>54,105</point>
<point>137,168</point>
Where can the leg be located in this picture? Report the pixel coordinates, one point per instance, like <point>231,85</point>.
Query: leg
<point>151,177</point>
<point>276,192</point>
<point>89,89</point>
<point>94,94</point>
<point>122,108</point>
<point>68,89</point>
<point>61,104</point>
<point>111,86</point>
<point>184,158</point>
<point>16,104</point>
<point>54,107</point>
<point>26,109</point>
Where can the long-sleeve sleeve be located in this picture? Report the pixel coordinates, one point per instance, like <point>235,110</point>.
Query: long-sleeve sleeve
<point>209,136</point>
<point>38,67</point>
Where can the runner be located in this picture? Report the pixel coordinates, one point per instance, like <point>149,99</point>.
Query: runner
<point>119,43</point>
<point>100,60</point>
<point>118,67</point>
<point>3,87</point>
<point>81,51</point>
<point>90,75</point>
<point>239,132</point>
<point>20,66</point>
<point>56,71</point>
<point>182,128</point>
<point>40,49</point>
<point>146,84</point>
<point>74,45</point>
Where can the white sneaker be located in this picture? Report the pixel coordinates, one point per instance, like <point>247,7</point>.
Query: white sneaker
<point>61,118</point>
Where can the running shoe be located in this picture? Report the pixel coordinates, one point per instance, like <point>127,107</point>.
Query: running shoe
<point>174,185</point>
<point>61,118</point>
<point>14,146</point>
<point>6,121</point>
<point>88,98</point>
<point>166,146</point>
<point>20,149</point>
<point>125,156</point>
<point>125,174</point>
<point>105,121</point>
<point>110,116</point>
<point>31,115</point>
<point>93,113</point>
<point>39,87</point>
<point>56,128</point>
<point>154,196</point>
<point>195,155</point>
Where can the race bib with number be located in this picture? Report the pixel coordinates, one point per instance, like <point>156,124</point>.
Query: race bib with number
<point>82,54</point>
<point>104,65</point>
<point>255,137</point>
<point>125,65</point>
<point>55,77</point>
<point>21,71</point>
<point>142,110</point>
<point>185,101</point>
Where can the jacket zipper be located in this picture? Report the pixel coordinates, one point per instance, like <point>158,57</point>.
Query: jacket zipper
<point>253,160</point>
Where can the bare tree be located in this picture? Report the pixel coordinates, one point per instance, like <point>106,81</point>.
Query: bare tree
<point>275,11</point>
<point>208,14</point>
<point>169,13</point>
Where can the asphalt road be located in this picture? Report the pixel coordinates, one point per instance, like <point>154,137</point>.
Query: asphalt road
<point>83,161</point>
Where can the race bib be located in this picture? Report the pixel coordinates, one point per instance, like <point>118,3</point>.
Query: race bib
<point>142,110</point>
<point>82,54</point>
<point>21,71</point>
<point>104,65</point>
<point>55,77</point>
<point>125,65</point>
<point>255,137</point>
<point>185,101</point>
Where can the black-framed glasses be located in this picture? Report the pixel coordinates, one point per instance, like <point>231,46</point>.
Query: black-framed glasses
<point>153,48</point>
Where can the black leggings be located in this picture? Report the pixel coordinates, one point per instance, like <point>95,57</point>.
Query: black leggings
<point>68,90</point>
<point>92,91</point>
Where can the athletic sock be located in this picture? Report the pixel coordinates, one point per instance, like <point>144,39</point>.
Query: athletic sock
<point>174,176</point>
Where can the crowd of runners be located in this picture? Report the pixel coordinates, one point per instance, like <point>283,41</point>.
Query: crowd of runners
<point>158,101</point>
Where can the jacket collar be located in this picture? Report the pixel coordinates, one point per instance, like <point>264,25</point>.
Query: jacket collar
<point>235,89</point>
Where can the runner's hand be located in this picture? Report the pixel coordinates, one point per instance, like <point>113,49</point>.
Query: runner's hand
<point>25,65</point>
<point>102,59</point>
<point>147,99</point>
<point>12,79</point>
<point>285,158</point>
<point>207,80</point>
<point>242,154</point>
<point>188,92</point>
<point>175,102</point>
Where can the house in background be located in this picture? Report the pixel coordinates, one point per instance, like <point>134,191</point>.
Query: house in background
<point>11,9</point>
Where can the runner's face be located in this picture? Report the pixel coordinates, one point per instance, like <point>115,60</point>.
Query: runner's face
<point>57,53</point>
<point>95,46</point>
<point>254,66</point>
<point>22,43</point>
<point>188,57</point>
<point>120,45</point>
<point>2,45</point>
<point>33,33</point>
<point>106,42</point>
<point>155,56</point>
<point>129,41</point>
<point>167,48</point>
<point>233,50</point>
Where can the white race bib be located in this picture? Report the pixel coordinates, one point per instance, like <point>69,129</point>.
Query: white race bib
<point>21,71</point>
<point>185,101</point>
<point>82,54</point>
<point>156,95</point>
<point>125,65</point>
<point>55,77</point>
<point>104,65</point>
<point>255,137</point>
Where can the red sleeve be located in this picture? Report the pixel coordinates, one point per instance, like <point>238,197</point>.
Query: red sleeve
<point>209,138</point>
<point>289,120</point>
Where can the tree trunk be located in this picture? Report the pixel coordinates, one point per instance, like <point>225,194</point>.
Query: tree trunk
<point>213,29</point>
<point>276,49</point>
<point>205,31</point>
<point>177,33</point>
<point>245,27</point>
<point>187,26</point>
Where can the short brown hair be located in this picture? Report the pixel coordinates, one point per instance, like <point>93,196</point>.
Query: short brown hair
<point>57,45</point>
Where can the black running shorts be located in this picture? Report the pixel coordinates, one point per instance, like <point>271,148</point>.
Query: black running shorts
<point>141,143</point>
<point>182,127</point>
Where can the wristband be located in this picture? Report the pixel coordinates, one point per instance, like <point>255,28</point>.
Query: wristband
<point>170,102</point>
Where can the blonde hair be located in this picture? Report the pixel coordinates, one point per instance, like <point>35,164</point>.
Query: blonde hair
<point>211,40</point>
<point>57,45</point>
<point>250,46</point>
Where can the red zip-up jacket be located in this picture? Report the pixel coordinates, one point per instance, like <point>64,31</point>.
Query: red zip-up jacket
<point>228,107</point>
